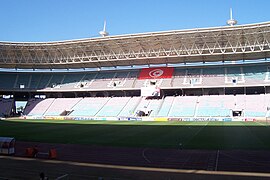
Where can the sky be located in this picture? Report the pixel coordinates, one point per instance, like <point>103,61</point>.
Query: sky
<point>57,20</point>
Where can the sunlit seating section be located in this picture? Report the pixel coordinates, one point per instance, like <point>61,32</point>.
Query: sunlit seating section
<point>6,107</point>
<point>37,107</point>
<point>22,80</point>
<point>267,104</point>
<point>113,107</point>
<point>150,105</point>
<point>31,104</point>
<point>212,106</point>
<point>255,74</point>
<point>154,106</point>
<point>178,77</point>
<point>131,79</point>
<point>7,80</point>
<point>71,80</point>
<point>193,77</point>
<point>141,83</point>
<point>166,106</point>
<point>102,80</point>
<point>255,105</point>
<point>118,80</point>
<point>87,80</point>
<point>130,107</point>
<point>213,77</point>
<point>166,82</point>
<point>210,76</point>
<point>183,106</point>
<point>61,106</point>
<point>239,102</point>
<point>89,106</point>
<point>228,101</point>
<point>234,75</point>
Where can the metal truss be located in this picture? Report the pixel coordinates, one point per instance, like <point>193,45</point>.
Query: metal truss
<point>195,45</point>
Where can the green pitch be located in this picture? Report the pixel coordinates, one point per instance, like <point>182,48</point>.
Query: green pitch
<point>182,135</point>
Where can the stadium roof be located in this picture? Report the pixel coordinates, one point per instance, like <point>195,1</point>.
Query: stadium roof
<point>241,42</point>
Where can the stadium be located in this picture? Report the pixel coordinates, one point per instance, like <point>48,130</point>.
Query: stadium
<point>170,74</point>
<point>188,82</point>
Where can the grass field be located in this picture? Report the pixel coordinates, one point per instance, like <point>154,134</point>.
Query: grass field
<point>185,135</point>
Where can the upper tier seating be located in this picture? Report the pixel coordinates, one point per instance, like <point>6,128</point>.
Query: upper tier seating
<point>22,81</point>
<point>211,76</point>
<point>234,75</point>
<point>7,80</point>
<point>255,74</point>
<point>44,81</point>
<point>55,81</point>
<point>35,80</point>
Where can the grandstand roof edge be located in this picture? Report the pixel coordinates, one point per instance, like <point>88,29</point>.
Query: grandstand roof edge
<point>136,35</point>
<point>139,67</point>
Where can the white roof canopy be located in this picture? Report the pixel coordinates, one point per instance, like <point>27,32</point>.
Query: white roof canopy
<point>195,45</point>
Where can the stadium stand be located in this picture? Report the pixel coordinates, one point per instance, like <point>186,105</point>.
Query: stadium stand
<point>244,75</point>
<point>150,106</point>
<point>212,106</point>
<point>205,72</point>
<point>129,109</point>
<point>44,81</point>
<point>213,77</point>
<point>6,106</point>
<point>255,105</point>
<point>71,80</point>
<point>183,106</point>
<point>255,74</point>
<point>35,80</point>
<point>165,106</point>
<point>22,81</point>
<point>55,81</point>
<point>179,106</point>
<point>89,106</point>
<point>234,75</point>
<point>4,84</point>
<point>62,106</point>
<point>178,78</point>
<point>113,107</point>
<point>37,107</point>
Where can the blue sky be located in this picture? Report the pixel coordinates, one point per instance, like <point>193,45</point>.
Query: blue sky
<point>56,20</point>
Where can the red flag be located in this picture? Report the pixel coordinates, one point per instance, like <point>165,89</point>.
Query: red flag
<point>156,73</point>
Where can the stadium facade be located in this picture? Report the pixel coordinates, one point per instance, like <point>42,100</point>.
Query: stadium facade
<point>217,73</point>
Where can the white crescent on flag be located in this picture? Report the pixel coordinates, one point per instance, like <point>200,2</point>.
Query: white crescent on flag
<point>155,73</point>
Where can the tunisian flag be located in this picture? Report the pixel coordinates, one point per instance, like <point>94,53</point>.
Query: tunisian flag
<point>156,73</point>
